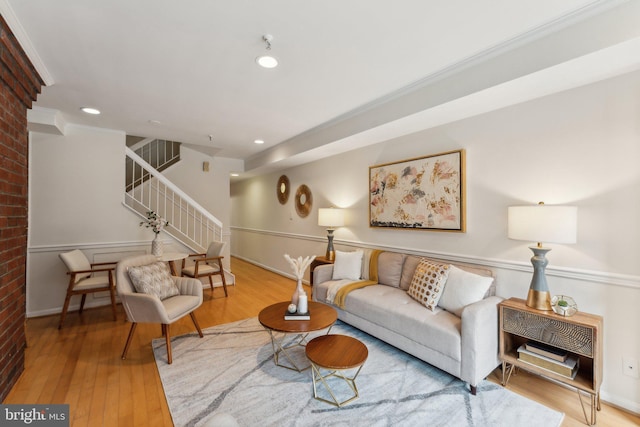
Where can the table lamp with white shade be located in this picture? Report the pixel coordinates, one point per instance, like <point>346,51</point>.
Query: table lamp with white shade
<point>542,223</point>
<point>330,218</point>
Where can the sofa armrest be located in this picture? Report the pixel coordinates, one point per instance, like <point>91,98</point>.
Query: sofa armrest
<point>479,340</point>
<point>322,273</point>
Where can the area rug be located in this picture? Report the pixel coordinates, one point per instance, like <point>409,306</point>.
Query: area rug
<point>231,371</point>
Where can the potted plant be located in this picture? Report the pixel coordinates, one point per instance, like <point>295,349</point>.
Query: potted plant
<point>564,305</point>
<point>156,223</point>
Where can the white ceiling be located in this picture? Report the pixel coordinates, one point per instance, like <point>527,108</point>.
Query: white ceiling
<point>191,65</point>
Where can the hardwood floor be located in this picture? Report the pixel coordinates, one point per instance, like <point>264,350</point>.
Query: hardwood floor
<point>81,365</point>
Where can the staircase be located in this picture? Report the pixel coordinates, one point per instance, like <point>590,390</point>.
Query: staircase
<point>160,154</point>
<point>148,190</point>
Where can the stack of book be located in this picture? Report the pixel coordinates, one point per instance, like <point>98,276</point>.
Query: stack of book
<point>549,358</point>
<point>297,316</point>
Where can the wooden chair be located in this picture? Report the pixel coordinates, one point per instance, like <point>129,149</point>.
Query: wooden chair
<point>82,280</point>
<point>208,265</point>
<point>148,307</point>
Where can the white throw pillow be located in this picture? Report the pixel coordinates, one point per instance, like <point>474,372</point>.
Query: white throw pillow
<point>428,283</point>
<point>463,288</point>
<point>348,265</point>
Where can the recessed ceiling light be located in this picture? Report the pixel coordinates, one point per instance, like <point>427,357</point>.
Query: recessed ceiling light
<point>235,174</point>
<point>267,61</point>
<point>90,110</point>
<point>259,141</point>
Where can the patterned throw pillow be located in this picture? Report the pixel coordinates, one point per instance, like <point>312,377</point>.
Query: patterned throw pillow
<point>154,279</point>
<point>428,283</point>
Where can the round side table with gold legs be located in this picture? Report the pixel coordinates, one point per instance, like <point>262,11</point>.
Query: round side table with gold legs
<point>340,357</point>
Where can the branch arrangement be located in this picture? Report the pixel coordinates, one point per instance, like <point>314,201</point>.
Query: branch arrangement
<point>299,265</point>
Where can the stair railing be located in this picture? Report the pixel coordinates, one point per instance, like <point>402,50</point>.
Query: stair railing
<point>148,190</point>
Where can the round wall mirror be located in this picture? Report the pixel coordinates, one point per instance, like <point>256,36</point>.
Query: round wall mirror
<point>304,201</point>
<point>283,189</point>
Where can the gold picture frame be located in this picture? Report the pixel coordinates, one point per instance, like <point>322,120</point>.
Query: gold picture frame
<point>423,193</point>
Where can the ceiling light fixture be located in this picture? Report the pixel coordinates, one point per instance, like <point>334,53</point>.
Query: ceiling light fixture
<point>267,61</point>
<point>259,141</point>
<point>90,110</point>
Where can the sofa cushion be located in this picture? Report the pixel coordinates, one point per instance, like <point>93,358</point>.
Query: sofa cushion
<point>463,288</point>
<point>347,265</point>
<point>395,310</point>
<point>428,283</point>
<point>408,270</point>
<point>154,279</point>
<point>390,268</point>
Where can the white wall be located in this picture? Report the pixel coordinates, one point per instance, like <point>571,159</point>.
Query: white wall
<point>76,192</point>
<point>580,147</point>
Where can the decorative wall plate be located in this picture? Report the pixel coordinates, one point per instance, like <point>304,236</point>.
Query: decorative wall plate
<point>283,189</point>
<point>304,201</point>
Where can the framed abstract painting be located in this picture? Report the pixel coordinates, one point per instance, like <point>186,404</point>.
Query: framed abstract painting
<point>425,193</point>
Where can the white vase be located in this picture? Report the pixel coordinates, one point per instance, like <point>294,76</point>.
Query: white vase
<point>157,246</point>
<point>296,295</point>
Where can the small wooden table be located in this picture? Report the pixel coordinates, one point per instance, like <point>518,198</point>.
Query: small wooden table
<point>171,258</point>
<point>336,353</point>
<point>579,335</point>
<point>322,316</point>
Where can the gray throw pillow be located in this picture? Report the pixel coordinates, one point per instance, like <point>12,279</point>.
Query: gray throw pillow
<point>153,279</point>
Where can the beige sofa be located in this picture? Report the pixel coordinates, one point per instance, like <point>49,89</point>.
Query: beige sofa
<point>462,340</point>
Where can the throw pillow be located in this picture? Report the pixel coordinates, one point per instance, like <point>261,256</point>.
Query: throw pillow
<point>463,288</point>
<point>408,270</point>
<point>347,265</point>
<point>428,283</point>
<point>390,268</point>
<point>154,279</point>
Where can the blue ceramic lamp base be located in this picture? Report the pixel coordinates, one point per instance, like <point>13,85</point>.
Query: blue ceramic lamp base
<point>539,296</point>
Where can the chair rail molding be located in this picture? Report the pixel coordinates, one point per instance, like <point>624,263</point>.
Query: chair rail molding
<point>583,276</point>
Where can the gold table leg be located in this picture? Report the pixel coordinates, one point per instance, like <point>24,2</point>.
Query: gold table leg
<point>317,377</point>
<point>279,348</point>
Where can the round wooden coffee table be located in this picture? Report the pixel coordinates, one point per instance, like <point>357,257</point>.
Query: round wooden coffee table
<point>337,354</point>
<point>321,316</point>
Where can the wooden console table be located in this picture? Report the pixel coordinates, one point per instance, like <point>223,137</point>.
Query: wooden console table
<point>580,335</point>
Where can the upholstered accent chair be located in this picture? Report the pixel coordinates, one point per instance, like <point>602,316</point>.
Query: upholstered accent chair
<point>84,280</point>
<point>208,265</point>
<point>149,294</point>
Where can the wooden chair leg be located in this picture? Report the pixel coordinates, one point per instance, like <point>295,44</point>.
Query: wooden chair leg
<point>211,283</point>
<point>65,307</point>
<point>126,346</point>
<point>224,282</point>
<point>113,303</point>
<point>84,297</point>
<point>195,322</point>
<point>167,336</point>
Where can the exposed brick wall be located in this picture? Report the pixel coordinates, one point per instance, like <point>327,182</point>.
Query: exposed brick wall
<point>20,85</point>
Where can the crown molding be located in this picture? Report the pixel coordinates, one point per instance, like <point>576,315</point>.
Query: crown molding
<point>25,42</point>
